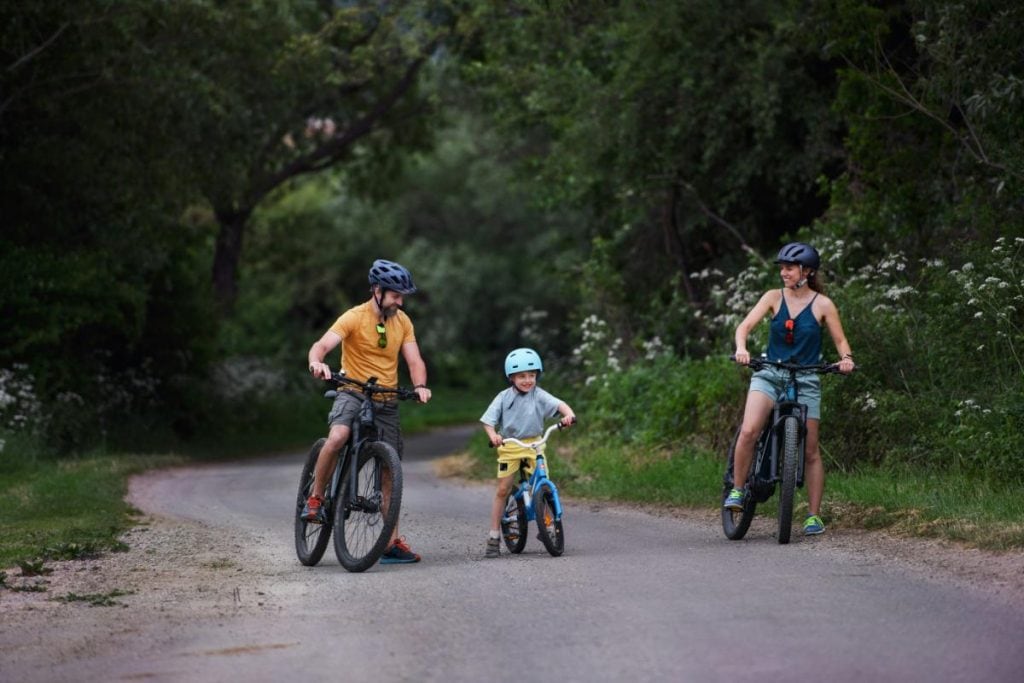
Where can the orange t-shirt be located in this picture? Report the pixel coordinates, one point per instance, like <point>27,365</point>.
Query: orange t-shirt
<point>361,357</point>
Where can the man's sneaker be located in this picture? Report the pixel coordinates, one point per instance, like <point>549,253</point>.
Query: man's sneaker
<point>493,547</point>
<point>399,553</point>
<point>813,525</point>
<point>314,510</point>
<point>734,501</point>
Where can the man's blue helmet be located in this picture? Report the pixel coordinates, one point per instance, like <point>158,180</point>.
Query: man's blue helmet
<point>521,360</point>
<point>390,275</point>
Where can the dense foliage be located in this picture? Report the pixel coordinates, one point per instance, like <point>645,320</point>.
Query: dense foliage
<point>603,180</point>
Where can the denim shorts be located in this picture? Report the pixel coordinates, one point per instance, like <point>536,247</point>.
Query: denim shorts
<point>772,381</point>
<point>345,411</point>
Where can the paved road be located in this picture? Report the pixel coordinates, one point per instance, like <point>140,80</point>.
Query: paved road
<point>636,597</point>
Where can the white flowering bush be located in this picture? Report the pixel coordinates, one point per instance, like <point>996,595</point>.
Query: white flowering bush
<point>938,342</point>
<point>597,354</point>
<point>939,348</point>
<point>20,408</point>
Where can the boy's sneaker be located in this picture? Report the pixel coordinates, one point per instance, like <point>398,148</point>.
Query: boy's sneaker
<point>314,510</point>
<point>493,547</point>
<point>734,501</point>
<point>399,553</point>
<point>813,525</point>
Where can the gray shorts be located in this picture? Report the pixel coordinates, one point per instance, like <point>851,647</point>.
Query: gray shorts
<point>345,411</point>
<point>772,381</point>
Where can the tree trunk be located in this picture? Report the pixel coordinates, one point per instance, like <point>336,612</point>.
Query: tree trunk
<point>673,240</point>
<point>227,255</point>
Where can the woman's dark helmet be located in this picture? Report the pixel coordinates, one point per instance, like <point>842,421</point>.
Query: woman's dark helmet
<point>799,253</point>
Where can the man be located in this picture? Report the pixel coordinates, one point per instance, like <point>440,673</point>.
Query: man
<point>371,335</point>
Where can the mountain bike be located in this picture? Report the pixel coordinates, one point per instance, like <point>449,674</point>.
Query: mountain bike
<point>362,501</point>
<point>534,500</point>
<point>778,456</point>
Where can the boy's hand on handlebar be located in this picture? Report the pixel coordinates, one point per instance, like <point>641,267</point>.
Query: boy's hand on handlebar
<point>496,441</point>
<point>567,422</point>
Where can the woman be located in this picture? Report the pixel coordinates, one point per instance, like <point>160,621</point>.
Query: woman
<point>798,312</point>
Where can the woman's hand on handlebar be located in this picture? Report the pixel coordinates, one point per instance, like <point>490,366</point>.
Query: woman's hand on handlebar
<point>742,357</point>
<point>846,365</point>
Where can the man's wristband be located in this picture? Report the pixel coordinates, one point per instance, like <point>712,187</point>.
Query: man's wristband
<point>420,386</point>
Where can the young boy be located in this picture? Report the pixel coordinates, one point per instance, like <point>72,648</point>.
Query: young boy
<point>520,411</point>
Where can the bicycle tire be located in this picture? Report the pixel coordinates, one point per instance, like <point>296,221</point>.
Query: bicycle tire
<point>736,523</point>
<point>362,536</point>
<point>549,526</point>
<point>513,522</point>
<point>790,451</point>
<point>311,538</point>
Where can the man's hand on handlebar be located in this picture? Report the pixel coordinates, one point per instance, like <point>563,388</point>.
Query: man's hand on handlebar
<point>320,370</point>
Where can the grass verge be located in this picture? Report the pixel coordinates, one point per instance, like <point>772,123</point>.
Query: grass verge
<point>976,512</point>
<point>66,508</point>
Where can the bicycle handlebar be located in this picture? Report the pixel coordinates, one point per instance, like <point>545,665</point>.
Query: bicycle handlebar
<point>369,387</point>
<point>759,363</point>
<point>543,439</point>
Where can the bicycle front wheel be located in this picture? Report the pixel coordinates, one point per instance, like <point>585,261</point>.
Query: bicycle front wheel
<point>363,526</point>
<point>549,522</point>
<point>513,522</point>
<point>736,522</point>
<point>789,452</point>
<point>310,537</point>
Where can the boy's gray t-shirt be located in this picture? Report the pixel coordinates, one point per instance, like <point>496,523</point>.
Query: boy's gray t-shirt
<point>521,416</point>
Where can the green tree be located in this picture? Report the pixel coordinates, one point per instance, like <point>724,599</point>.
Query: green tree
<point>692,130</point>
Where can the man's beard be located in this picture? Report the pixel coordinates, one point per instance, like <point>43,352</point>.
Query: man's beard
<point>390,311</point>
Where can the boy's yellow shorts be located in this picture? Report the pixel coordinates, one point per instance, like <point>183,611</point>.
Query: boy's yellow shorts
<point>511,456</point>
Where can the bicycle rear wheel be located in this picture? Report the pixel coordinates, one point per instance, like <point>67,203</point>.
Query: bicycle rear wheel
<point>363,527</point>
<point>735,523</point>
<point>549,523</point>
<point>513,522</point>
<point>789,452</point>
<point>311,538</point>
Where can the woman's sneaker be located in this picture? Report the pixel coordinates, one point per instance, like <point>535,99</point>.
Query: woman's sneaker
<point>734,501</point>
<point>813,526</point>
<point>399,553</point>
<point>493,547</point>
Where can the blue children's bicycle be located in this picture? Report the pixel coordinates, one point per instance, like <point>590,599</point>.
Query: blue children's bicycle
<point>535,499</point>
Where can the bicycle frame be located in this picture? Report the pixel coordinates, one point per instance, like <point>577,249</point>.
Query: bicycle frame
<point>364,430</point>
<point>779,456</point>
<point>528,488</point>
<point>765,472</point>
<point>536,487</point>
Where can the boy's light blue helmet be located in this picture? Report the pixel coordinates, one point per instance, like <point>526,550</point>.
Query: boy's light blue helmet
<point>521,360</point>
